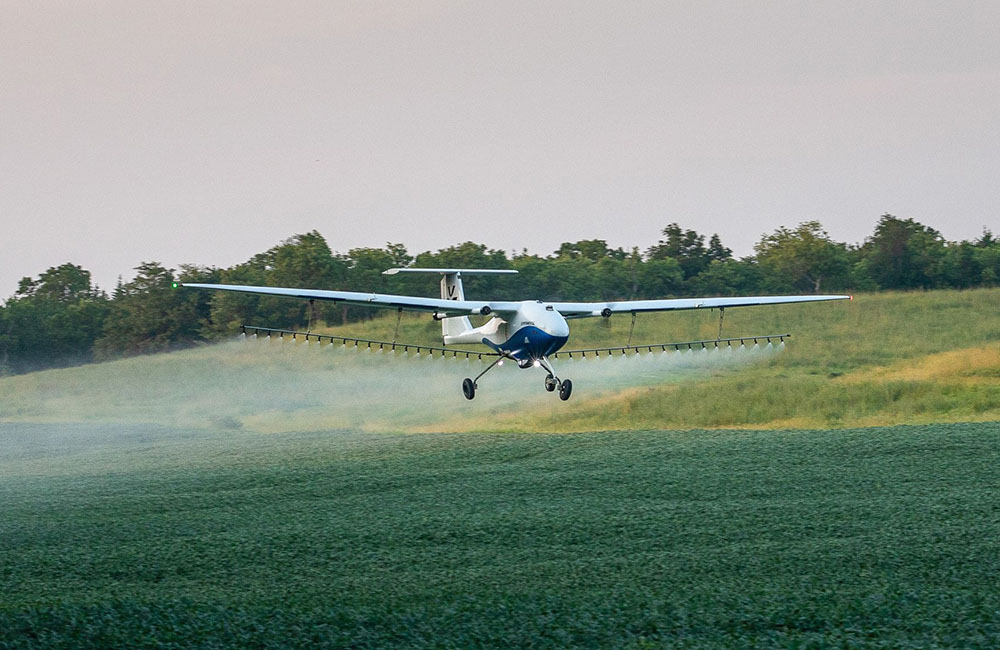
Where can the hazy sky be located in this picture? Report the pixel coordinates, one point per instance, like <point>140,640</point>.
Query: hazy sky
<point>205,132</point>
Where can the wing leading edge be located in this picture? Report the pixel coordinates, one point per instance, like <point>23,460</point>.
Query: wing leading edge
<point>445,307</point>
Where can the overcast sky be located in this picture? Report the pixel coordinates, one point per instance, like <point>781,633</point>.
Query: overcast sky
<point>204,132</point>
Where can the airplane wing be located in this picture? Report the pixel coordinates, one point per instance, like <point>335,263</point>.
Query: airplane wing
<point>385,301</point>
<point>444,307</point>
<point>587,309</point>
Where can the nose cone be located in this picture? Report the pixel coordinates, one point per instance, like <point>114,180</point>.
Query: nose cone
<point>540,332</point>
<point>556,324</point>
<point>546,318</point>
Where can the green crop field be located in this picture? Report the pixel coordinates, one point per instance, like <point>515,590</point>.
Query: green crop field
<point>123,536</point>
<point>843,491</point>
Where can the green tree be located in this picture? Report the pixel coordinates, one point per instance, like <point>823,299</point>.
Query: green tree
<point>960,266</point>
<point>200,301</point>
<point>987,252</point>
<point>903,254</point>
<point>687,247</point>
<point>730,278</point>
<point>716,251</point>
<point>633,272</point>
<point>52,320</point>
<point>661,278</point>
<point>571,279</point>
<point>6,340</point>
<point>591,249</point>
<point>365,272</point>
<point>802,259</point>
<point>612,277</point>
<point>149,314</point>
<point>531,277</point>
<point>305,261</point>
<point>229,310</point>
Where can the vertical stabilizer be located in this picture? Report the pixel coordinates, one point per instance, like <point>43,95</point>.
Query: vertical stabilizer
<point>452,329</point>
<point>451,289</point>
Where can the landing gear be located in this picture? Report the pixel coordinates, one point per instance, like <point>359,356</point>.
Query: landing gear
<point>552,382</point>
<point>469,385</point>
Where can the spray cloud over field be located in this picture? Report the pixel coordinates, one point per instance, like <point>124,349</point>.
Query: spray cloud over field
<point>272,385</point>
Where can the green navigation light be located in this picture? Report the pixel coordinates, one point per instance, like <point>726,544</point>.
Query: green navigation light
<point>174,285</point>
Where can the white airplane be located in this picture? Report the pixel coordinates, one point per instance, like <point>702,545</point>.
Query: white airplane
<point>527,331</point>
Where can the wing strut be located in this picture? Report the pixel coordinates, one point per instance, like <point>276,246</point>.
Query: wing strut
<point>399,316</point>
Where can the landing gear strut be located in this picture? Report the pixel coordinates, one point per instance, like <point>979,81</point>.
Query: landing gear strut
<point>565,386</point>
<point>552,382</point>
<point>469,385</point>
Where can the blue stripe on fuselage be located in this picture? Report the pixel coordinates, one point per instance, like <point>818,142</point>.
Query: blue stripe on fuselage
<point>531,343</point>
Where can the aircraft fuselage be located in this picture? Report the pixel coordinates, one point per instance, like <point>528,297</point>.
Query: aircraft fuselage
<point>538,331</point>
<point>535,330</point>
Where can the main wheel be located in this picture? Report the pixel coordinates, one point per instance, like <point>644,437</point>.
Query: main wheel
<point>469,388</point>
<point>565,389</point>
<point>550,383</point>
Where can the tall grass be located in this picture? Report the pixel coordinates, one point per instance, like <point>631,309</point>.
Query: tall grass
<point>880,359</point>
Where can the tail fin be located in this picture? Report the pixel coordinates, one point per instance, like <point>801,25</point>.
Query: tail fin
<point>451,289</point>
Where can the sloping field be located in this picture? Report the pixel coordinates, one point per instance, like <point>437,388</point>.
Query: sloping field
<point>129,536</point>
<point>269,494</point>
<point>878,360</point>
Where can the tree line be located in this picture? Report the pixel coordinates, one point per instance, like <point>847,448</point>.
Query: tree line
<point>61,318</point>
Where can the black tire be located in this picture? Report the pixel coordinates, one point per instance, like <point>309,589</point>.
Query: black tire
<point>550,383</point>
<point>565,389</point>
<point>469,388</point>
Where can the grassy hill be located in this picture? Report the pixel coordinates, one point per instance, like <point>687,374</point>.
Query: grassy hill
<point>881,359</point>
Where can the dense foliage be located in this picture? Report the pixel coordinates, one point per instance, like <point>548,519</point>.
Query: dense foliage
<point>61,318</point>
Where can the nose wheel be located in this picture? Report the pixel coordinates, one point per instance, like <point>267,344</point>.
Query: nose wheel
<point>565,386</point>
